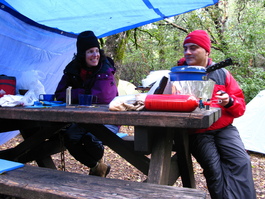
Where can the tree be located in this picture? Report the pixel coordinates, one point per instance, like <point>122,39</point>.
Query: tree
<point>236,30</point>
<point>115,46</point>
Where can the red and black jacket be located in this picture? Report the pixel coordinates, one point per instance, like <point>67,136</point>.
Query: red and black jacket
<point>225,82</point>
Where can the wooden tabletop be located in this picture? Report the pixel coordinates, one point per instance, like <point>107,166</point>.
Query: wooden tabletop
<point>165,126</point>
<point>101,115</point>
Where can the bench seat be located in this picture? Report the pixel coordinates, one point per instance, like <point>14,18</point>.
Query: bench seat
<point>32,182</point>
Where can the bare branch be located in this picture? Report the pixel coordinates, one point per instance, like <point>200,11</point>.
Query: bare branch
<point>176,26</point>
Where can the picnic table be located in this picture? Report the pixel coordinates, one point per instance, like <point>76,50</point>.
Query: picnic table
<point>156,133</point>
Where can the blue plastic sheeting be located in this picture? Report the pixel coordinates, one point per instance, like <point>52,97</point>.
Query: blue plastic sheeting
<point>5,137</point>
<point>29,36</point>
<point>26,48</point>
<point>105,17</point>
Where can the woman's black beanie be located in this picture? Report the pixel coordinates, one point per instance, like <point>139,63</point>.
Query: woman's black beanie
<point>86,40</point>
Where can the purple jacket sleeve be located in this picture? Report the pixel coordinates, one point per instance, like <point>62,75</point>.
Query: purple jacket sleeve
<point>60,92</point>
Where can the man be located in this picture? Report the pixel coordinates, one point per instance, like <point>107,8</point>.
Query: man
<point>219,149</point>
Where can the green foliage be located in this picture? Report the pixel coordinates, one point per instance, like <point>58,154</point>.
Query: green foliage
<point>251,81</point>
<point>236,29</point>
<point>151,51</point>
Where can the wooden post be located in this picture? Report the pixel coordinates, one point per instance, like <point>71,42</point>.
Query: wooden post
<point>184,158</point>
<point>161,156</point>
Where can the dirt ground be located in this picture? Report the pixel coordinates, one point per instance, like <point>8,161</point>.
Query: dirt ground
<point>121,169</point>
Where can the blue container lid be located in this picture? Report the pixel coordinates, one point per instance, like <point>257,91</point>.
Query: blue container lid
<point>184,69</point>
<point>188,73</point>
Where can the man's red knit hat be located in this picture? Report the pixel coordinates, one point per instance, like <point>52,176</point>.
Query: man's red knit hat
<point>199,37</point>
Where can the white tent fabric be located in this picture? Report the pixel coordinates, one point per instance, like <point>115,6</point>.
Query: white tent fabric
<point>251,124</point>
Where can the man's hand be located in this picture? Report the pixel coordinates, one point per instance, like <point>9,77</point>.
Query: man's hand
<point>223,97</point>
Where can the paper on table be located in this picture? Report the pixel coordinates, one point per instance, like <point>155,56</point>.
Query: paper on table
<point>6,165</point>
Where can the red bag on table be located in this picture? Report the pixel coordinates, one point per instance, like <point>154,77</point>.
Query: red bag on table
<point>7,85</point>
<point>171,102</point>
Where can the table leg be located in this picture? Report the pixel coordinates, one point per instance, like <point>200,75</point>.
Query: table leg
<point>143,138</point>
<point>161,156</point>
<point>174,170</point>
<point>181,139</point>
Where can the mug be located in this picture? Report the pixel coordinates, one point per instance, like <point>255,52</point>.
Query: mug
<point>22,91</point>
<point>46,97</point>
<point>85,99</point>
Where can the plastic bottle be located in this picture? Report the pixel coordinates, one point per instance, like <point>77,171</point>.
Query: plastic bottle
<point>68,96</point>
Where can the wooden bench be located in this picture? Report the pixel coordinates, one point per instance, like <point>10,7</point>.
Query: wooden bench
<point>32,182</point>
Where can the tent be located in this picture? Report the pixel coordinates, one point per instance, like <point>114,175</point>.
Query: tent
<point>126,88</point>
<point>251,124</point>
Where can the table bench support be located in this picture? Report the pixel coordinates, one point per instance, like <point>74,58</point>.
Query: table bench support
<point>181,140</point>
<point>161,152</point>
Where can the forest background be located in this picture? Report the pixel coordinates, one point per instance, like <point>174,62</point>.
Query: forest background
<point>236,28</point>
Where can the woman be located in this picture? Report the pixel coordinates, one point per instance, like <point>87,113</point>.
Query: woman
<point>90,72</point>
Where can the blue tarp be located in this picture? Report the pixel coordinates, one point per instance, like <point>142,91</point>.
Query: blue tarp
<point>41,35</point>
<point>105,17</point>
<point>4,137</point>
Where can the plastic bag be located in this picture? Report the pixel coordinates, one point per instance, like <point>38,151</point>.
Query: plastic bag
<point>154,78</point>
<point>30,80</point>
<point>29,98</point>
<point>11,100</point>
<point>200,89</point>
<point>128,102</point>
